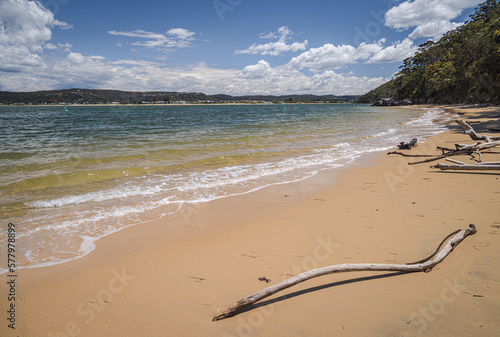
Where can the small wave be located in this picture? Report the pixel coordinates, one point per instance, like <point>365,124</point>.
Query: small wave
<point>384,133</point>
<point>427,119</point>
<point>96,197</point>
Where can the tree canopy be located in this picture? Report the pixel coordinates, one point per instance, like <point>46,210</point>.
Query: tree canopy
<point>462,67</point>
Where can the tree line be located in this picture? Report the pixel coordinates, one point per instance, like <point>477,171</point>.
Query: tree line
<point>462,67</point>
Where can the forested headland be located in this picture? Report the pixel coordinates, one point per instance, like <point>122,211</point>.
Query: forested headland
<point>462,67</point>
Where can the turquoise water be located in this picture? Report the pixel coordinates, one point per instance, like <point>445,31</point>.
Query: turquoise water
<point>70,177</point>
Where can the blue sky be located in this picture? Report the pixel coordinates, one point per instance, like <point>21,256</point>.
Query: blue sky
<point>237,47</point>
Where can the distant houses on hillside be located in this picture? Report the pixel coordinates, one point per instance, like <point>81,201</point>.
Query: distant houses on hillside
<point>89,96</point>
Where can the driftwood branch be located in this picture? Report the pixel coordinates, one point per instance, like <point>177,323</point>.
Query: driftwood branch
<point>483,143</point>
<point>473,134</point>
<point>455,161</point>
<point>410,155</point>
<point>478,146</point>
<point>490,163</point>
<point>444,155</point>
<point>342,268</point>
<point>464,167</point>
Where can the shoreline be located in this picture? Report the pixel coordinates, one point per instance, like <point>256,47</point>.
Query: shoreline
<point>173,104</point>
<point>450,107</point>
<point>148,279</point>
<point>236,174</point>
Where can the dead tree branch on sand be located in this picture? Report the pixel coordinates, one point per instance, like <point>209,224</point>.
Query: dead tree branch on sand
<point>464,167</point>
<point>460,149</point>
<point>473,134</point>
<point>427,265</point>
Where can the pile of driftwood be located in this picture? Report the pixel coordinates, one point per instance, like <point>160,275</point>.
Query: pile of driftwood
<point>483,144</point>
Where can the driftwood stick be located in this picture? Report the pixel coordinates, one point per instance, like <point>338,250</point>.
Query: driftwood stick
<point>411,155</point>
<point>477,146</point>
<point>456,152</point>
<point>487,145</point>
<point>455,161</point>
<point>479,167</point>
<point>443,149</point>
<point>490,163</point>
<point>341,268</point>
<point>466,146</point>
<point>480,156</point>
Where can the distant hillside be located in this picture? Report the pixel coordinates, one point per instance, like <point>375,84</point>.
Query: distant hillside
<point>90,96</point>
<point>286,98</point>
<point>462,67</point>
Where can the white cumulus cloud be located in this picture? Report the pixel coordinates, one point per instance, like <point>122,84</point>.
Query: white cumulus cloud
<point>329,56</point>
<point>173,38</point>
<point>76,58</point>
<point>25,28</point>
<point>434,29</point>
<point>259,70</point>
<point>432,18</point>
<point>283,79</point>
<point>277,47</point>
<point>325,57</point>
<point>394,53</point>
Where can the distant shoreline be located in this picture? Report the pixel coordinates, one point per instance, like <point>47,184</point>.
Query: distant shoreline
<point>173,104</point>
<point>106,96</point>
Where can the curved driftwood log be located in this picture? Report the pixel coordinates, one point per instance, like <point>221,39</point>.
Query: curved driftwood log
<point>343,268</point>
<point>473,134</point>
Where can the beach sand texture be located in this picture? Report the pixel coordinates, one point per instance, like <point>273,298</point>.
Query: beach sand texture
<point>157,280</point>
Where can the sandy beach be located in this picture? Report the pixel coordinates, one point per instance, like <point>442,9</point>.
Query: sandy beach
<point>169,277</point>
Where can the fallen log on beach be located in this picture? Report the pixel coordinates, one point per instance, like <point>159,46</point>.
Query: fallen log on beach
<point>465,167</point>
<point>425,266</point>
<point>480,164</point>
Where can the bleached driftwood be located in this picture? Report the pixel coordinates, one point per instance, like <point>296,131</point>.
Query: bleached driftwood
<point>347,267</point>
<point>465,167</point>
<point>490,142</point>
<point>480,164</point>
<point>455,161</point>
<point>490,163</point>
<point>460,149</point>
<point>473,134</point>
<point>478,146</point>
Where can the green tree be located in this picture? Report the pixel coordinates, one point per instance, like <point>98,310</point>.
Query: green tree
<point>462,67</point>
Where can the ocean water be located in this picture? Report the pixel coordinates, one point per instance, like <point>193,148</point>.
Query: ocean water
<point>68,178</point>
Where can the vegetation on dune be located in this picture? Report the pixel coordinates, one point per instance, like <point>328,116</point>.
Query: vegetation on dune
<point>462,67</point>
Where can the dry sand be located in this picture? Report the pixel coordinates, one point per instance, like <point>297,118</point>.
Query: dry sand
<point>169,277</point>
